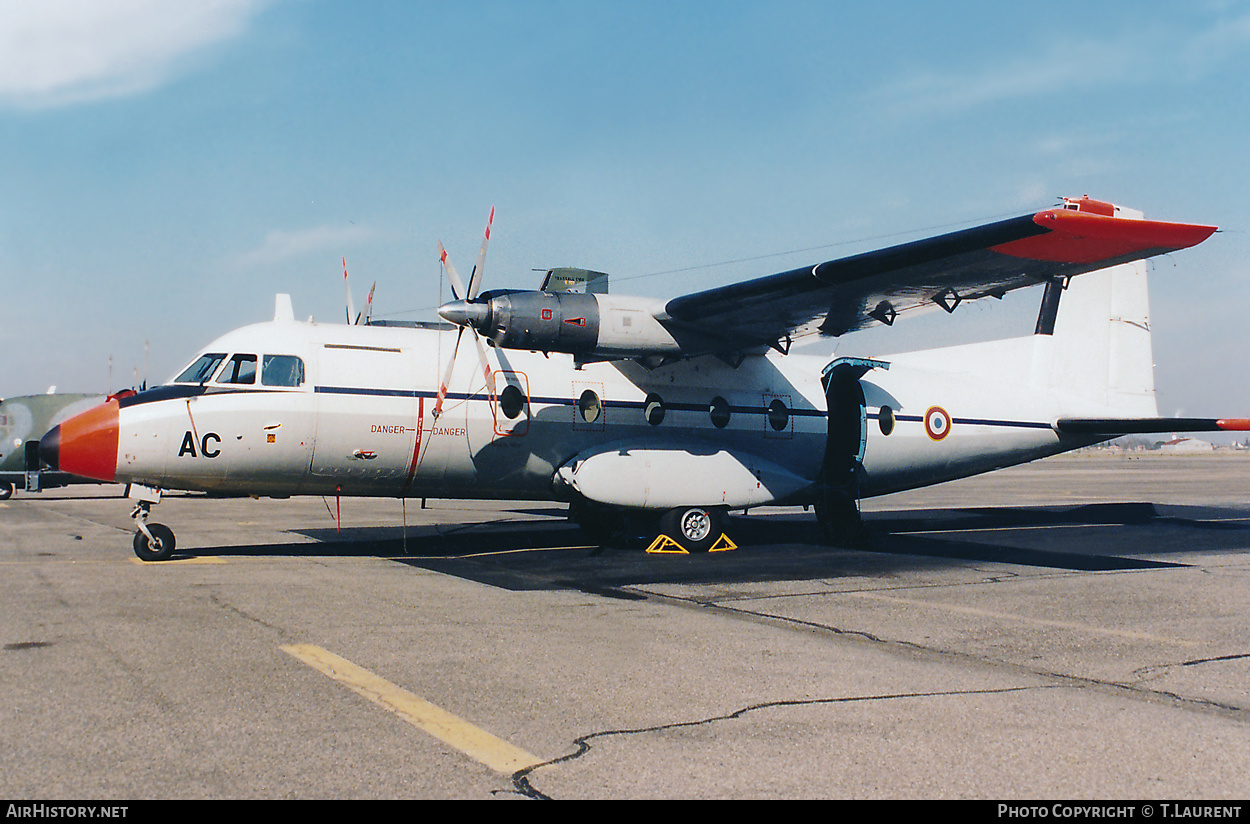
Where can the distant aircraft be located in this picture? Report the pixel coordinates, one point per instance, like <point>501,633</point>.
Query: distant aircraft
<point>665,415</point>
<point>26,419</point>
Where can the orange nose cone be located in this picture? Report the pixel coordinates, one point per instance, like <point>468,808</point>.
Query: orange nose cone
<point>86,444</point>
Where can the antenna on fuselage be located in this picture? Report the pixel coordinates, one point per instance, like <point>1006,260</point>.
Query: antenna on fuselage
<point>282,309</point>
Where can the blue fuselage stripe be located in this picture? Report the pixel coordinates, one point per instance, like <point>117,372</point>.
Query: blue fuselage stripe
<point>683,407</point>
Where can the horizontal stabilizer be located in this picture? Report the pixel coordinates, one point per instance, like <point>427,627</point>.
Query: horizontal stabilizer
<point>1142,426</point>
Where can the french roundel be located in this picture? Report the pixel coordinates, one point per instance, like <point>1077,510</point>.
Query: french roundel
<point>937,423</point>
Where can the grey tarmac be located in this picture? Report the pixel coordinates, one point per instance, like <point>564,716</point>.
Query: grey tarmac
<point>1071,629</point>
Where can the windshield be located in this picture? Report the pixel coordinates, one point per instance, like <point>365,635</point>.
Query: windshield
<point>241,369</point>
<point>203,368</point>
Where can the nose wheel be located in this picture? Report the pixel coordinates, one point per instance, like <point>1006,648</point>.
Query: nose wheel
<point>153,542</point>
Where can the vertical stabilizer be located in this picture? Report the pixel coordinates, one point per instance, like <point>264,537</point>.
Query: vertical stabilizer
<point>1100,351</point>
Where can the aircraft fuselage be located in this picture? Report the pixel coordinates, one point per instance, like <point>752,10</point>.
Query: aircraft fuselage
<point>360,421</point>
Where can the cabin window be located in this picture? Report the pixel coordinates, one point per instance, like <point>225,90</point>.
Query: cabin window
<point>511,400</point>
<point>778,415</point>
<point>202,370</point>
<point>589,406</point>
<point>885,420</point>
<point>240,369</point>
<point>653,409</point>
<point>282,370</point>
<point>719,411</point>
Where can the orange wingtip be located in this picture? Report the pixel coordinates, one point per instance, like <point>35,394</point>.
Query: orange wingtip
<point>1234,424</point>
<point>1084,238</point>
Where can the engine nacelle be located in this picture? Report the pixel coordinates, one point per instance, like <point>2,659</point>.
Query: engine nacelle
<point>587,326</point>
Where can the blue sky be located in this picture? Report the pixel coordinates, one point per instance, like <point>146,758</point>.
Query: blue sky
<point>166,167</point>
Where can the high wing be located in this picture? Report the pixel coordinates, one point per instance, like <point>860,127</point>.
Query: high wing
<point>853,293</point>
<point>830,298</point>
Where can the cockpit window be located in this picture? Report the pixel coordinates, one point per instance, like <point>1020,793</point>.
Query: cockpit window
<point>240,369</point>
<point>282,370</point>
<point>203,368</point>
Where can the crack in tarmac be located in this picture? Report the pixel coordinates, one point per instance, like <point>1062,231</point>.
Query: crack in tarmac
<point>1134,690</point>
<point>521,778</point>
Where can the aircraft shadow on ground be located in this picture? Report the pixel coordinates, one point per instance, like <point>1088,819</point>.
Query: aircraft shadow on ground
<point>553,554</point>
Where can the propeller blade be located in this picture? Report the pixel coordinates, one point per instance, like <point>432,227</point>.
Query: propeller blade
<point>351,309</point>
<point>465,307</point>
<point>457,286</point>
<point>475,279</point>
<point>369,303</point>
<point>481,359</point>
<point>442,387</point>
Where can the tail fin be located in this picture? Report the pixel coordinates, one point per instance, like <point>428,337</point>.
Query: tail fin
<point>1100,350</point>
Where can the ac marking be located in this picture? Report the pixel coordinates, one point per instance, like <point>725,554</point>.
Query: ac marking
<point>188,445</point>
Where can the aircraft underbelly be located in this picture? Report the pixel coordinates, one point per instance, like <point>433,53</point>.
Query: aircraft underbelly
<point>912,462</point>
<point>662,476</point>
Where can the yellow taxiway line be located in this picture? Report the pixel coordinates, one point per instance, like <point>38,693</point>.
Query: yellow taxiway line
<point>478,744</point>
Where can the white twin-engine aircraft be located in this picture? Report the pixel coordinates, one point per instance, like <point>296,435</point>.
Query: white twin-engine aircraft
<point>669,414</point>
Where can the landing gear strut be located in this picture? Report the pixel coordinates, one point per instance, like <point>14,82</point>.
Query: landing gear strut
<point>153,542</point>
<point>603,525</point>
<point>837,512</point>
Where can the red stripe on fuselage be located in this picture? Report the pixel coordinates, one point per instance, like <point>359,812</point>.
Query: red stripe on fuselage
<point>1078,237</point>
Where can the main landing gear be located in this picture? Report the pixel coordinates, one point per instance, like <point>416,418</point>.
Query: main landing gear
<point>153,542</point>
<point>684,530</point>
<point>693,529</point>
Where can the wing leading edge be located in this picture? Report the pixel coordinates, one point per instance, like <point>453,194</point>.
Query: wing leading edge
<point>853,293</point>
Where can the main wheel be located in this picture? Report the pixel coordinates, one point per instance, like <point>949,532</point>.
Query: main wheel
<point>6,491</point>
<point>696,528</point>
<point>159,548</point>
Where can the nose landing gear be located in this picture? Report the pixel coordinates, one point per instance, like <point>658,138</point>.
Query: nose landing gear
<point>153,542</point>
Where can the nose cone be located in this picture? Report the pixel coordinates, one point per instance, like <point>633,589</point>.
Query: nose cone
<point>464,313</point>
<point>50,448</point>
<point>84,445</point>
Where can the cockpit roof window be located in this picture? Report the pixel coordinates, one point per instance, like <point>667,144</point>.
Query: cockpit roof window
<point>203,368</point>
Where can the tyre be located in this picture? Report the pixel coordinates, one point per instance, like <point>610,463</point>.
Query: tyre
<point>159,548</point>
<point>6,491</point>
<point>696,528</point>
